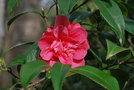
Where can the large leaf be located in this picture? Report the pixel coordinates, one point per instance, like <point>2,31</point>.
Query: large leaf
<point>113,15</point>
<point>130,26</point>
<point>30,55</point>
<point>98,76</point>
<point>30,70</point>
<point>11,4</point>
<point>79,15</point>
<point>67,5</point>
<point>113,49</point>
<point>17,16</point>
<point>58,74</point>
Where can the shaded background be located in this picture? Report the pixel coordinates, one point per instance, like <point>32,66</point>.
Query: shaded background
<point>29,27</point>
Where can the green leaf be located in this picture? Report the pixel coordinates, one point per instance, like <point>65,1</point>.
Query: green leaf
<point>113,15</point>
<point>58,74</point>
<point>121,76</point>
<point>77,16</point>
<point>17,16</point>
<point>98,76</point>
<point>11,4</point>
<point>30,70</point>
<point>67,5</point>
<point>20,44</point>
<point>12,88</point>
<point>113,49</point>
<point>130,26</point>
<point>30,55</point>
<point>18,60</point>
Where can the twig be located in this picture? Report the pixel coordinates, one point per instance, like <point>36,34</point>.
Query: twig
<point>123,62</point>
<point>10,71</point>
<point>56,3</point>
<point>79,6</point>
<point>34,83</point>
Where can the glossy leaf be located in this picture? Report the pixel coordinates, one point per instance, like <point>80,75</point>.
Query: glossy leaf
<point>30,55</point>
<point>66,5</point>
<point>98,76</point>
<point>18,60</point>
<point>20,44</point>
<point>130,26</point>
<point>32,52</point>
<point>11,4</point>
<point>79,15</point>
<point>113,15</point>
<point>113,49</point>
<point>17,16</point>
<point>30,70</point>
<point>59,76</point>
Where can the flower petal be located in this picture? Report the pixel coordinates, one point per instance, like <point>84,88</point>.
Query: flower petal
<point>79,54</point>
<point>46,54</point>
<point>84,45</point>
<point>61,21</point>
<point>65,59</point>
<point>77,63</point>
<point>78,34</point>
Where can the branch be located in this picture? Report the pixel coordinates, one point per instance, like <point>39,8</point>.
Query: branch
<point>56,3</point>
<point>79,6</point>
<point>123,62</point>
<point>34,83</point>
<point>10,71</point>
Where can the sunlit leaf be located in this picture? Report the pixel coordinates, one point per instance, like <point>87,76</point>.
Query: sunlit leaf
<point>113,15</point>
<point>113,49</point>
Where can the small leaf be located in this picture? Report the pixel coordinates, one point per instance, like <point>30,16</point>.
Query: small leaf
<point>77,16</point>
<point>18,60</point>
<point>113,49</point>
<point>11,4</point>
<point>17,16</point>
<point>98,76</point>
<point>20,44</point>
<point>59,76</point>
<point>30,70</point>
<point>113,15</point>
<point>130,26</point>
<point>67,5</point>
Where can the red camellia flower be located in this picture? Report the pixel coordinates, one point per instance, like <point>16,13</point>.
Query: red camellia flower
<point>66,43</point>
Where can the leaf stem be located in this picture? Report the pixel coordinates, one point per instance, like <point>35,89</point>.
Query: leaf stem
<point>120,63</point>
<point>10,71</point>
<point>98,58</point>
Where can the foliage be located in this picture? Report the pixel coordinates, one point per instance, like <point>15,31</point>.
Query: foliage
<point>110,60</point>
